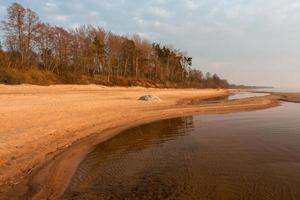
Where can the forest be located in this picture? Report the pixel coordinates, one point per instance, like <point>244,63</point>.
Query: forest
<point>35,52</point>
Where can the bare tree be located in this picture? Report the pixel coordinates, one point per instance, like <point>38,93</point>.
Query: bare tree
<point>92,52</point>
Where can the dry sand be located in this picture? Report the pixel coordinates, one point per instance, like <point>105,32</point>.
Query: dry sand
<point>46,131</point>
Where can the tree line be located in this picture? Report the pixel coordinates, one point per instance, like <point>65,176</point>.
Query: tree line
<point>36,52</point>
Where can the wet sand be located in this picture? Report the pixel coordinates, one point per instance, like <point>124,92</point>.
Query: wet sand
<point>47,131</point>
<point>289,97</point>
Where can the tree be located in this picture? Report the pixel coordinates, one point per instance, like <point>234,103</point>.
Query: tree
<point>31,30</point>
<point>99,52</point>
<point>128,50</point>
<point>45,45</point>
<point>95,55</point>
<point>20,27</point>
<point>14,27</point>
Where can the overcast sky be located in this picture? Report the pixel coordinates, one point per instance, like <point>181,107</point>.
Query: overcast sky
<point>254,42</point>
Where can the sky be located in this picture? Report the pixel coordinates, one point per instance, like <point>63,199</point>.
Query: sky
<point>251,42</point>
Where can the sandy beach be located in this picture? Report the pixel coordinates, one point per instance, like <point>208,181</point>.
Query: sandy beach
<point>47,130</point>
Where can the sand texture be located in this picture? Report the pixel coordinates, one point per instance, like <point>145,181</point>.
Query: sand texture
<point>47,130</point>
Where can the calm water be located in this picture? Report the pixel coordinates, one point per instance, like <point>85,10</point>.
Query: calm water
<point>234,96</point>
<point>241,95</point>
<point>249,155</point>
<point>293,90</point>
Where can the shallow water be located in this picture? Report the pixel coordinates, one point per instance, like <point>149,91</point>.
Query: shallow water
<point>292,90</point>
<point>241,95</point>
<point>234,96</point>
<point>248,155</point>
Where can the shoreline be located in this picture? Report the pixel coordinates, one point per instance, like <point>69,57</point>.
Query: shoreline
<point>66,163</point>
<point>63,162</point>
<point>39,122</point>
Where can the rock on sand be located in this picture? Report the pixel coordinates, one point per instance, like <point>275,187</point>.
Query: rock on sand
<point>149,98</point>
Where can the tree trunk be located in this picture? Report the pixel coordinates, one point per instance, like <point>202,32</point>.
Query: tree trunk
<point>136,67</point>
<point>125,67</point>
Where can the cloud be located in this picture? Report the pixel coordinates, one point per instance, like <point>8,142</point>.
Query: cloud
<point>157,24</point>
<point>161,2</point>
<point>93,13</point>
<point>234,12</point>
<point>61,18</point>
<point>159,12</point>
<point>192,5</point>
<point>50,5</point>
<point>139,20</point>
<point>2,8</point>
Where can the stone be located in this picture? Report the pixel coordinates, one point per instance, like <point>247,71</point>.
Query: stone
<point>149,98</point>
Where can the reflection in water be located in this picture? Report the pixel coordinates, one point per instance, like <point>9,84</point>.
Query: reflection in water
<point>209,100</point>
<point>234,96</point>
<point>251,155</point>
<point>241,95</point>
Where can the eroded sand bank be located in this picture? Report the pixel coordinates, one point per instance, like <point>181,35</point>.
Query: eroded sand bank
<point>46,131</point>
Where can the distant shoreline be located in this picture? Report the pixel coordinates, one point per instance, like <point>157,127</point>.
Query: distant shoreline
<point>51,173</point>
